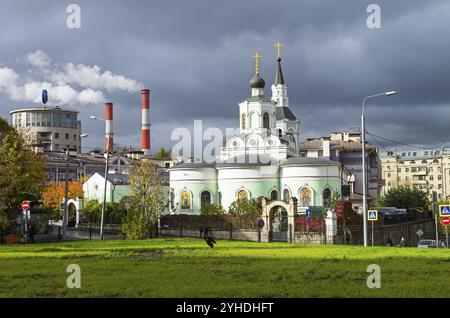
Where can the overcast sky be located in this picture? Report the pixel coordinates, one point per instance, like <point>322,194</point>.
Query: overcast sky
<point>195,57</point>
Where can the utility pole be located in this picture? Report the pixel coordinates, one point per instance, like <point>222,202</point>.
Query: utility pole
<point>104,193</point>
<point>66,195</point>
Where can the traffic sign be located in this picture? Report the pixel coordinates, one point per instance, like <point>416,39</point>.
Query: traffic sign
<point>372,215</point>
<point>419,233</point>
<point>444,210</point>
<point>25,205</point>
<point>445,220</point>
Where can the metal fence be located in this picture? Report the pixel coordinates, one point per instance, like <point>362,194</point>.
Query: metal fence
<point>82,232</point>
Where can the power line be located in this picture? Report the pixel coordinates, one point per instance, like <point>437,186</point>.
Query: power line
<point>378,143</point>
<point>397,142</point>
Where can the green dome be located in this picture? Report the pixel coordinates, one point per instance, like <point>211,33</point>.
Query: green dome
<point>257,82</point>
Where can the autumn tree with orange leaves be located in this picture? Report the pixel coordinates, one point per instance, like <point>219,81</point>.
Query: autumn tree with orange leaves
<point>53,196</point>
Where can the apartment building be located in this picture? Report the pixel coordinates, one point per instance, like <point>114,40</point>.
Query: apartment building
<point>426,170</point>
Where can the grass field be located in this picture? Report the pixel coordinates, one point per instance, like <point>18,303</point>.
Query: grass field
<point>189,268</point>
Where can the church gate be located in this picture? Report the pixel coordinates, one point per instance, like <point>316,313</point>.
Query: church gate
<point>279,220</point>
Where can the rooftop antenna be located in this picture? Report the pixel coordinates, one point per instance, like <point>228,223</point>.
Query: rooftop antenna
<point>44,97</point>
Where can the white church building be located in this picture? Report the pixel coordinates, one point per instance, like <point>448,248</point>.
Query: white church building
<point>261,160</point>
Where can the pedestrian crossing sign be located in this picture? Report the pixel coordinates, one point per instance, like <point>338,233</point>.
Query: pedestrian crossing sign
<point>372,215</point>
<point>444,210</point>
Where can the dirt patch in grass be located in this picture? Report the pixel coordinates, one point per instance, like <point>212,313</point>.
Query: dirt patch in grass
<point>149,254</point>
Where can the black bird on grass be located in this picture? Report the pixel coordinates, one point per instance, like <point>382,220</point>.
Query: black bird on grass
<point>209,239</point>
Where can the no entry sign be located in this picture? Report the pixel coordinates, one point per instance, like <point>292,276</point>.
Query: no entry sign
<point>25,205</point>
<point>445,220</point>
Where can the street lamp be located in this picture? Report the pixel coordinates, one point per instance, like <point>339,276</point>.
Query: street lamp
<point>363,148</point>
<point>106,176</point>
<point>66,192</point>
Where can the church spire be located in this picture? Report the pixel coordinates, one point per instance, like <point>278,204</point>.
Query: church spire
<point>279,88</point>
<point>279,76</point>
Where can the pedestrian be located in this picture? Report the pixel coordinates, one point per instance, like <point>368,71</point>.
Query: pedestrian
<point>402,242</point>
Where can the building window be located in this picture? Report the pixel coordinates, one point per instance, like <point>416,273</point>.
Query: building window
<point>399,170</point>
<point>56,135</point>
<point>280,133</point>
<point>286,195</point>
<point>389,175</point>
<point>243,121</point>
<point>406,169</point>
<point>266,123</point>
<point>67,136</point>
<point>56,146</point>
<point>205,199</point>
<point>172,201</point>
<point>326,198</point>
<point>185,200</point>
<point>440,177</point>
<point>274,195</point>
<point>431,178</point>
<point>305,197</point>
<point>74,137</point>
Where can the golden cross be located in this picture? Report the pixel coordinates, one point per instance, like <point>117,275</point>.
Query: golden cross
<point>257,57</point>
<point>278,45</point>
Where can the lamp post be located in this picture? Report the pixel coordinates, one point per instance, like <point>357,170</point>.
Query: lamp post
<point>106,181</point>
<point>363,150</point>
<point>66,192</point>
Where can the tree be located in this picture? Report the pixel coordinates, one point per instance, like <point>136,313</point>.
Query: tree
<point>22,174</point>
<point>404,198</point>
<point>162,153</point>
<point>244,207</point>
<point>53,196</point>
<point>212,209</point>
<point>146,200</point>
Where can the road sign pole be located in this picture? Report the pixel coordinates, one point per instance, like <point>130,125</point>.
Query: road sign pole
<point>372,234</point>
<point>437,231</point>
<point>26,226</point>
<point>446,235</point>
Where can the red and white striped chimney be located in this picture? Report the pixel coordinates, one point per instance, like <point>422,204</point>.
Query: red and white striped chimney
<point>145,145</point>
<point>109,127</point>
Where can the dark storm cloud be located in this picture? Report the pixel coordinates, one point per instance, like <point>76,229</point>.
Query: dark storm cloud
<point>195,56</point>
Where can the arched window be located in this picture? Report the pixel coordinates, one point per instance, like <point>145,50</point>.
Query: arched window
<point>243,121</point>
<point>242,195</point>
<point>185,200</point>
<point>266,120</point>
<point>274,195</point>
<point>305,197</point>
<point>205,199</point>
<point>326,198</point>
<point>286,195</point>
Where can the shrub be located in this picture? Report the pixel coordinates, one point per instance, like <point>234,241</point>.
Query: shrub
<point>213,209</point>
<point>317,224</point>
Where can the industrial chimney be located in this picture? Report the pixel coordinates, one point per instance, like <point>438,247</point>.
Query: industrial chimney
<point>109,127</point>
<point>145,145</point>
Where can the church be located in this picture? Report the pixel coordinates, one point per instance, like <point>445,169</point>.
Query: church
<point>261,160</point>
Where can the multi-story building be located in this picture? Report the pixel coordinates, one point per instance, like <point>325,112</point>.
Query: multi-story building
<point>345,148</point>
<point>426,170</point>
<point>49,128</point>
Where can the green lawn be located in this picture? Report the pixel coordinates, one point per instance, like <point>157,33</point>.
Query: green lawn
<point>189,268</point>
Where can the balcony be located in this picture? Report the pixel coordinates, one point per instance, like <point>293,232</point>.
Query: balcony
<point>44,140</point>
<point>419,173</point>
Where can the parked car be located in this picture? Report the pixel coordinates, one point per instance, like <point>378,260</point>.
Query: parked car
<point>430,244</point>
<point>427,244</point>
